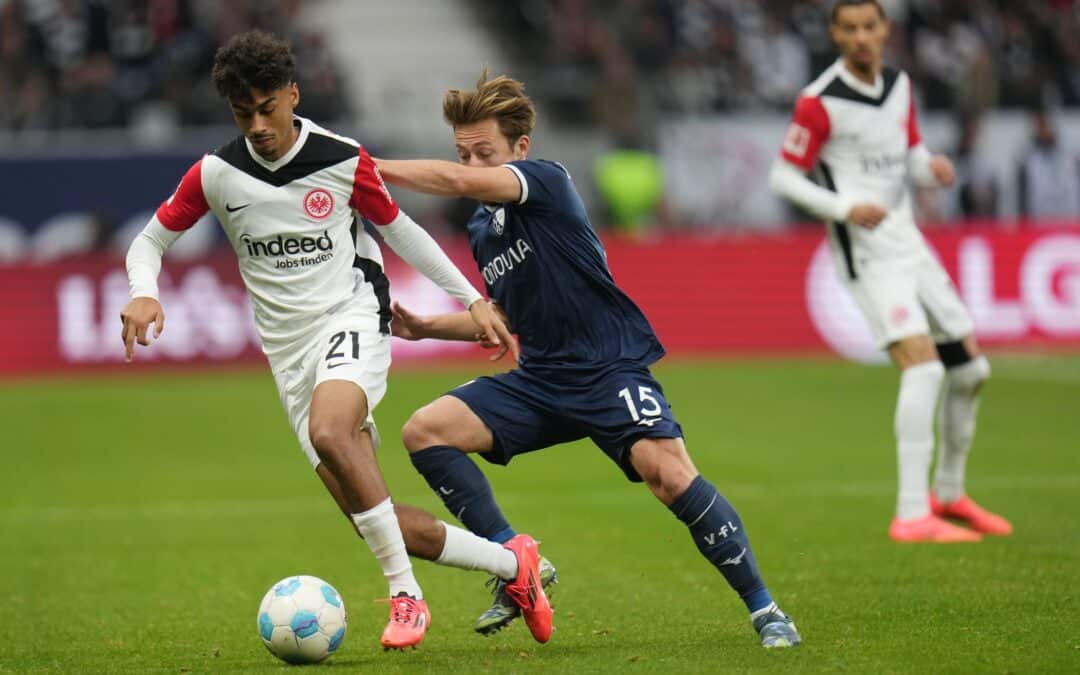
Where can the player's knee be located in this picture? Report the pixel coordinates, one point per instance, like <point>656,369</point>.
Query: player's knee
<point>675,477</point>
<point>422,430</point>
<point>970,377</point>
<point>330,438</point>
<point>981,366</point>
<point>665,467</point>
<point>966,371</point>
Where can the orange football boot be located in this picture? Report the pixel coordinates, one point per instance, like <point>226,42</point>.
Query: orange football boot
<point>526,590</point>
<point>409,620</point>
<point>929,528</point>
<point>978,518</point>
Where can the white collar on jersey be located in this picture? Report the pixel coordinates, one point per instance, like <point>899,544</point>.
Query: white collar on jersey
<point>305,126</point>
<point>870,90</point>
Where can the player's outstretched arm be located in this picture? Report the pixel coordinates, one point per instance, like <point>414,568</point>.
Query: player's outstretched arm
<point>461,326</point>
<point>419,249</point>
<point>143,266</point>
<point>437,177</point>
<point>176,215</point>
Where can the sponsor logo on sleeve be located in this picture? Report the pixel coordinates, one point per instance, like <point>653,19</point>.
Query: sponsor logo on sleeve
<point>797,140</point>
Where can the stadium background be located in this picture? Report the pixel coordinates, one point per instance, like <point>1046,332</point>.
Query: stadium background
<point>668,114</point>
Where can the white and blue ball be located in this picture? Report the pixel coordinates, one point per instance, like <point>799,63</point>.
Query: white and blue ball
<point>302,619</point>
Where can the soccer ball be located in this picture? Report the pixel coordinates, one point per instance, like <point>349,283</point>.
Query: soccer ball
<point>302,619</point>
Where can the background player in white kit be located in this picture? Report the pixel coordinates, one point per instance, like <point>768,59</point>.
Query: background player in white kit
<point>855,127</point>
<point>289,195</point>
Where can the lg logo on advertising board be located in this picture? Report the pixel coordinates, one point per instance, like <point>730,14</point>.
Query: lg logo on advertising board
<point>1046,302</point>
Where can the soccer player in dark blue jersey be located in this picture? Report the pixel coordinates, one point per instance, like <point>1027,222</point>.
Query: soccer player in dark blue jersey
<point>585,351</point>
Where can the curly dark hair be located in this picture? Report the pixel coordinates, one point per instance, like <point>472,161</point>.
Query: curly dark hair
<point>252,60</point>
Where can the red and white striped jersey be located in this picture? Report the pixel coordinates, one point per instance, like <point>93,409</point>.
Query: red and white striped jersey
<point>293,225</point>
<point>856,139</point>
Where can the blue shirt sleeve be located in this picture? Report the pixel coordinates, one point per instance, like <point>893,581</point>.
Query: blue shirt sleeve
<point>545,185</point>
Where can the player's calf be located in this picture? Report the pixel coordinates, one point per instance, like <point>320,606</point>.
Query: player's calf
<point>464,490</point>
<point>719,534</point>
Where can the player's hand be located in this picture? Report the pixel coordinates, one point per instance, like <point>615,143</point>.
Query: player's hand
<point>866,215</point>
<point>943,170</point>
<point>135,321</point>
<point>493,331</point>
<point>407,325</point>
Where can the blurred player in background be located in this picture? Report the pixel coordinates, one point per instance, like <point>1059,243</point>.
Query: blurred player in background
<point>289,196</point>
<point>586,349</point>
<point>855,126</point>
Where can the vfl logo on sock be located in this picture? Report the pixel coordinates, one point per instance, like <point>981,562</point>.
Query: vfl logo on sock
<point>736,560</point>
<point>724,532</point>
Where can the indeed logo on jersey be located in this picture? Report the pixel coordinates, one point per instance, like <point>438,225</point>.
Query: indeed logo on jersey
<point>505,261</point>
<point>882,163</point>
<point>289,246</point>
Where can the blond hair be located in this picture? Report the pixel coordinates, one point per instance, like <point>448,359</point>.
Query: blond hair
<point>502,98</point>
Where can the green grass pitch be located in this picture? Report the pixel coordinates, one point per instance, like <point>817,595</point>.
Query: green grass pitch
<point>143,516</point>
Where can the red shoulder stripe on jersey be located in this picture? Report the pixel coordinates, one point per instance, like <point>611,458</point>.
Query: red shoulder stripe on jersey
<point>187,204</point>
<point>808,131</point>
<point>370,197</point>
<point>913,135</point>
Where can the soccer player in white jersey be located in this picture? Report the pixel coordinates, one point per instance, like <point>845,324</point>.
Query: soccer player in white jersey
<point>855,127</point>
<point>289,196</point>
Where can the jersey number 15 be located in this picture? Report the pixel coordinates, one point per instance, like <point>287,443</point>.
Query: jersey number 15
<point>648,406</point>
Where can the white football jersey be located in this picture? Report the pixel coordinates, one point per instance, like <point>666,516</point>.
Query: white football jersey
<point>294,226</point>
<point>856,137</point>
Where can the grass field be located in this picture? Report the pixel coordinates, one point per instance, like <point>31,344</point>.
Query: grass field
<point>144,516</point>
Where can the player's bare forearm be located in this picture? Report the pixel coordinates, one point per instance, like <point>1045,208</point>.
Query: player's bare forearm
<point>456,326</point>
<point>438,177</point>
<point>432,176</point>
<point>410,326</point>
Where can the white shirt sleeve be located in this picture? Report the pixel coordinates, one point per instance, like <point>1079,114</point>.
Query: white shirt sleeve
<point>144,258</point>
<point>791,183</point>
<point>918,162</point>
<point>419,249</point>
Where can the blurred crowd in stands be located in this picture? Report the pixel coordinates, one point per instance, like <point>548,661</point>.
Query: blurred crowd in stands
<point>105,63</point>
<point>725,55</point>
<point>625,64</point>
<point>620,66</point>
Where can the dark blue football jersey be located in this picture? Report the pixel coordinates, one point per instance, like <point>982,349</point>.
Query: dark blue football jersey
<point>544,265</point>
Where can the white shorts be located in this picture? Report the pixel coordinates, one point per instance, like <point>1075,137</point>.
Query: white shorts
<point>901,300</point>
<point>346,345</point>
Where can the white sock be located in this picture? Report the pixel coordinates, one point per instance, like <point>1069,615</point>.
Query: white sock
<point>914,425</point>
<point>379,528</point>
<point>469,552</point>
<point>959,405</point>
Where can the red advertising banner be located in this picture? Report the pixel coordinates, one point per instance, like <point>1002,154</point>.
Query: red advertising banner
<point>775,294</point>
<point>781,294</point>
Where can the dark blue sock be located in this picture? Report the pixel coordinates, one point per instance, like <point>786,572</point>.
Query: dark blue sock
<point>464,489</point>
<point>719,535</point>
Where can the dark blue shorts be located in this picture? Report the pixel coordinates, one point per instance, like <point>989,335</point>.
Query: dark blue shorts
<point>614,408</point>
